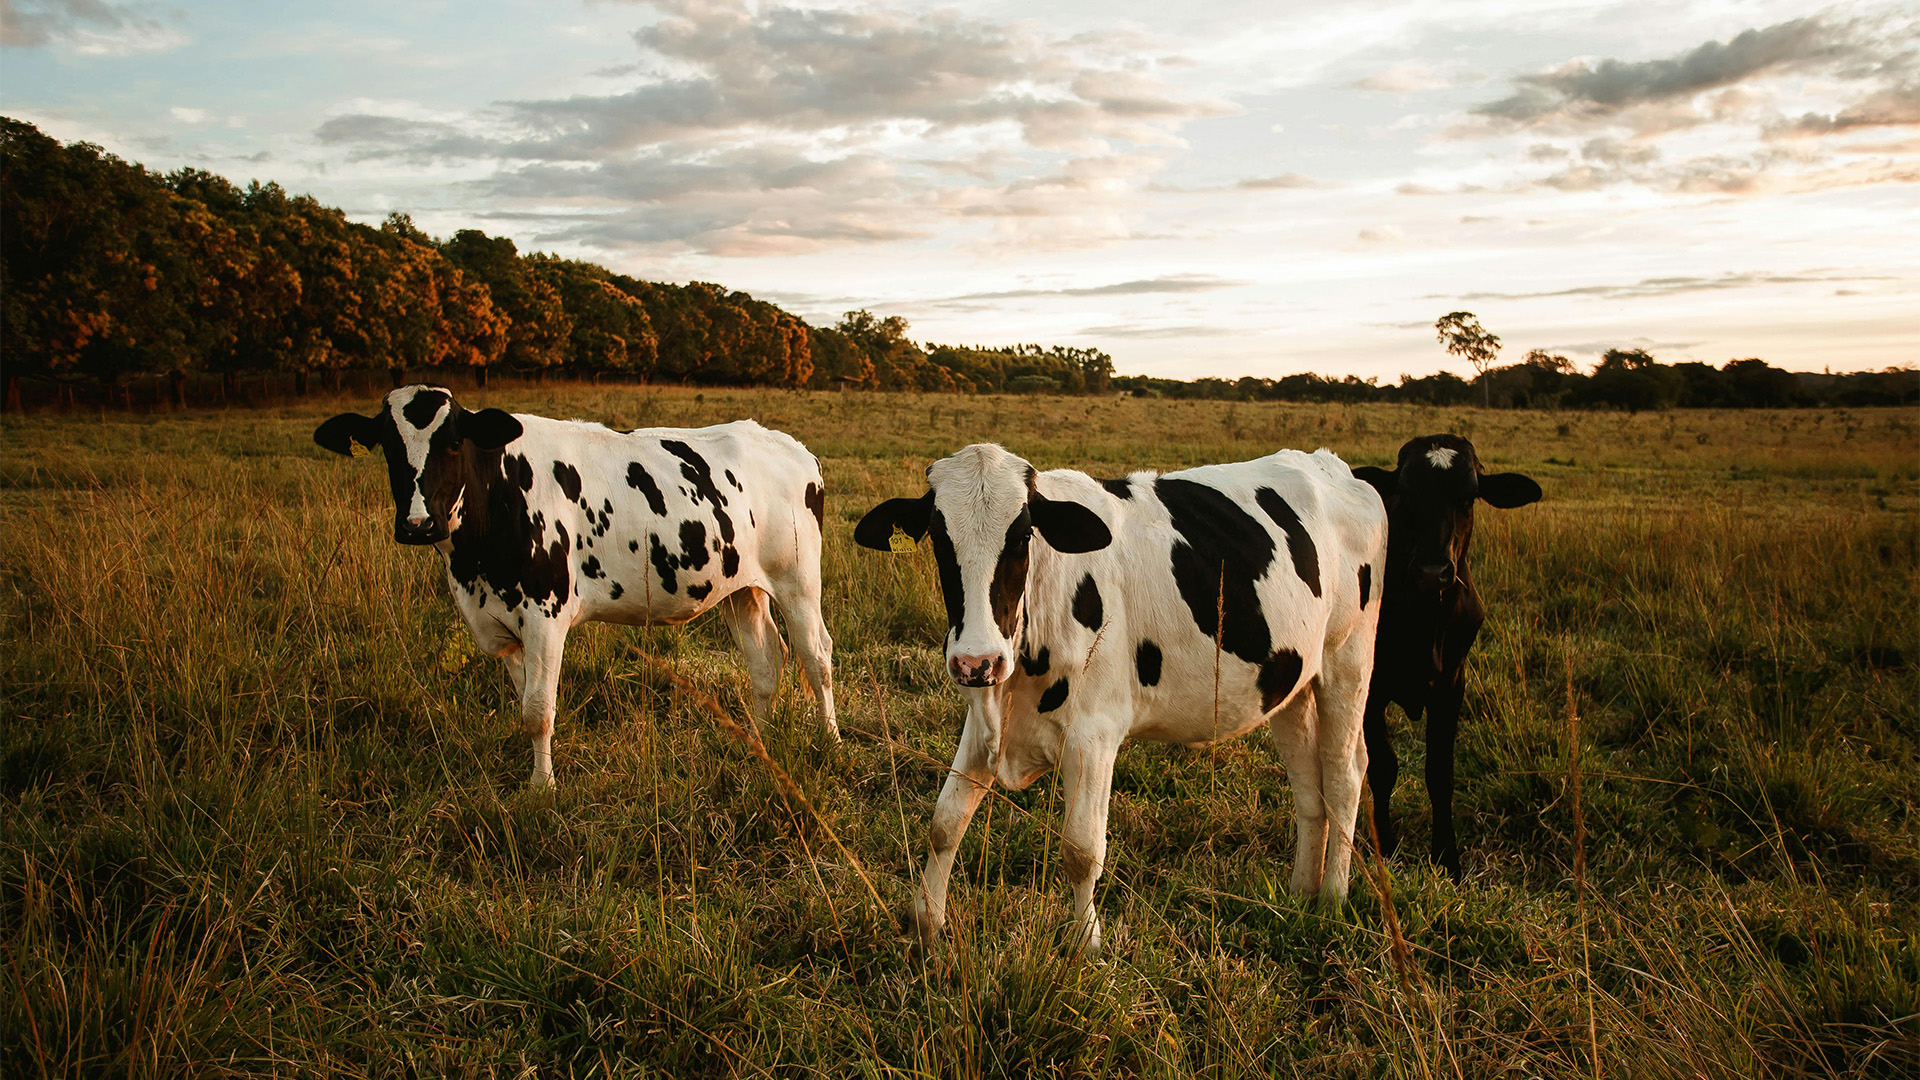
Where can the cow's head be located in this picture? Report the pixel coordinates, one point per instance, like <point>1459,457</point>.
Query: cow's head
<point>1429,499</point>
<point>426,436</point>
<point>981,510</point>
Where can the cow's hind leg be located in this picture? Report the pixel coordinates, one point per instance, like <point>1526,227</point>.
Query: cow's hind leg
<point>539,667</point>
<point>800,603</point>
<point>750,617</point>
<point>1293,727</point>
<point>1341,704</point>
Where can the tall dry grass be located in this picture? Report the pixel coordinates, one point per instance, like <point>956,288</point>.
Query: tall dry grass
<point>253,824</point>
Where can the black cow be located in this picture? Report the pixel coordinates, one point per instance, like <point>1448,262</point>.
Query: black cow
<point>1429,615</point>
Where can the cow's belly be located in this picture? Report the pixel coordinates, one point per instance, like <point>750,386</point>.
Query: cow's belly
<point>1182,708</point>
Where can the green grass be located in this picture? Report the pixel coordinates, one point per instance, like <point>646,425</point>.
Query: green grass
<point>249,822</point>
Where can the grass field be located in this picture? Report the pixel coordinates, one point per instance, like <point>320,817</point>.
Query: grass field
<point>260,813</point>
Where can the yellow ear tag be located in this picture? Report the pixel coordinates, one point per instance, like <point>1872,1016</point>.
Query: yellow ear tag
<point>354,449</point>
<point>900,542</point>
<point>458,651</point>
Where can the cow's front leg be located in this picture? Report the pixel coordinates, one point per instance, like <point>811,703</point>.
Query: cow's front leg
<point>1443,723</point>
<point>1086,769</point>
<point>967,783</point>
<point>540,693</point>
<point>1383,770</point>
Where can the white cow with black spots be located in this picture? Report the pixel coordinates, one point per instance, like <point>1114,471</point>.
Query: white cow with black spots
<point>1083,613</point>
<point>544,524</point>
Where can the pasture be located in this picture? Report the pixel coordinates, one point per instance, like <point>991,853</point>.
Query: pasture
<point>261,810</point>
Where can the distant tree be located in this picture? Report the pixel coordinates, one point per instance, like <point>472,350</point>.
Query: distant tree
<point>1462,334</point>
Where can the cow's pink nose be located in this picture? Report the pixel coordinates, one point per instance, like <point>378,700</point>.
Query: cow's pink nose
<point>978,670</point>
<point>420,522</point>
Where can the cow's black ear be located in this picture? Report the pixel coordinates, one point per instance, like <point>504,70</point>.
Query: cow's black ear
<point>489,429</point>
<point>876,529</point>
<point>1508,489</point>
<point>340,433</point>
<point>1067,526</point>
<point>1382,481</point>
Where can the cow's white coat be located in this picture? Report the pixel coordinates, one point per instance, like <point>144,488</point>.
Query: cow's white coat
<point>1317,729</point>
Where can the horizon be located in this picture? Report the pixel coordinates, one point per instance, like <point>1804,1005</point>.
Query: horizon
<point>1732,184</point>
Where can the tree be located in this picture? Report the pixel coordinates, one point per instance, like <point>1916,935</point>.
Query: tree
<point>1462,334</point>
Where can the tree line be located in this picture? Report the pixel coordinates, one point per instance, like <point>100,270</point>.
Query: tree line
<point>110,271</point>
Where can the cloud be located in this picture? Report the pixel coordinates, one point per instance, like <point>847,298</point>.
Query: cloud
<point>1666,286</point>
<point>1583,92</point>
<point>87,27</point>
<point>1175,283</point>
<point>1131,330</point>
<point>1282,182</point>
<point>1893,106</point>
<point>847,125</point>
<point>1405,78</point>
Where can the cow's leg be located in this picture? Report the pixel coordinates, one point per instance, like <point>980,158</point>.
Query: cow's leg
<point>1443,723</point>
<point>750,618</point>
<point>1086,768</point>
<point>1341,705</point>
<point>967,783</point>
<point>1293,726</point>
<point>514,657</point>
<point>800,602</point>
<point>1383,769</point>
<point>540,692</point>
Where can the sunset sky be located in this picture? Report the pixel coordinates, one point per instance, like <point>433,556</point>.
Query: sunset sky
<point>1238,188</point>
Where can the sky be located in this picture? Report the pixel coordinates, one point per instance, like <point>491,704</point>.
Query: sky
<point>1236,188</point>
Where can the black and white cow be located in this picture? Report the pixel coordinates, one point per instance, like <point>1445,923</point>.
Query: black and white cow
<point>547,523</point>
<point>1082,613</point>
<point>1429,615</point>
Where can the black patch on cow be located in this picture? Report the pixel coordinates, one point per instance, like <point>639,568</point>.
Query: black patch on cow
<point>638,478</point>
<point>1036,665</point>
<point>1146,661</point>
<point>700,475</point>
<point>693,545</point>
<point>424,407</point>
<point>1010,574</point>
<point>816,502</point>
<point>591,568</point>
<point>518,471</point>
<point>616,591</point>
<point>663,563</point>
<point>1221,552</point>
<point>580,542</point>
<point>1306,557</point>
<point>1086,604</point>
<point>948,566</point>
<point>735,483</point>
<point>569,479</point>
<point>500,541</point>
<point>1055,696</point>
<point>1366,585</point>
<point>633,545</point>
<point>700,591</point>
<point>1121,487</point>
<point>1278,676</point>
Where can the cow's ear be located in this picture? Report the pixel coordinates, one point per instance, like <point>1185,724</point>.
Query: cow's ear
<point>489,429</point>
<point>1067,526</point>
<point>876,529</point>
<point>340,433</point>
<point>1382,481</point>
<point>1508,489</point>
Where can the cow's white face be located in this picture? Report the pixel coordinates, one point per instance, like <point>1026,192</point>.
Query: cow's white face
<point>979,514</point>
<point>424,434</point>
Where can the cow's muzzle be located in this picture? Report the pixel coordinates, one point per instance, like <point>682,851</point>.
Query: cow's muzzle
<point>1434,577</point>
<point>427,531</point>
<point>978,671</point>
